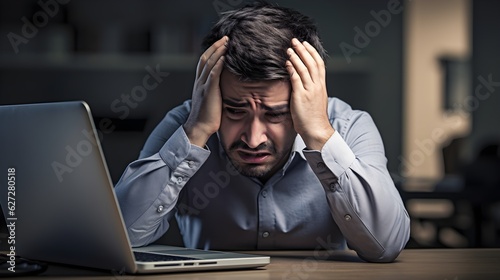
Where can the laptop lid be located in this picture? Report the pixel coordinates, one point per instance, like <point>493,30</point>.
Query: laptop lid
<point>63,204</point>
<point>60,199</point>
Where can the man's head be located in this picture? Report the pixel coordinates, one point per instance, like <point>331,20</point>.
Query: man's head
<point>256,129</point>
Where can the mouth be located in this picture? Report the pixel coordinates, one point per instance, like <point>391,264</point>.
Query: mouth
<point>253,157</point>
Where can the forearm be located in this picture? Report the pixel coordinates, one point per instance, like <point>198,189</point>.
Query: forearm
<point>370,213</point>
<point>149,188</point>
<point>363,200</point>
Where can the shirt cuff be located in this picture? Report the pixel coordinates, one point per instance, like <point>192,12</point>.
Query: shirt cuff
<point>178,149</point>
<point>335,154</point>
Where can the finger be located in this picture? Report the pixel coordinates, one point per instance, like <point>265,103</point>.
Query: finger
<point>213,79</point>
<point>207,57</point>
<point>295,79</point>
<point>306,57</point>
<point>211,62</point>
<point>208,52</point>
<point>320,63</point>
<point>300,68</point>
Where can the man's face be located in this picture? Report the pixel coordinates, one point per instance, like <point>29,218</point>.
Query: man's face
<point>256,127</point>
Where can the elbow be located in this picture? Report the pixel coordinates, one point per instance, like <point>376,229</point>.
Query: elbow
<point>387,256</point>
<point>145,235</point>
<point>138,240</point>
<point>141,237</point>
<point>390,249</point>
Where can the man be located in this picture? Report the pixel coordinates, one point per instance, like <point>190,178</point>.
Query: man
<point>260,157</point>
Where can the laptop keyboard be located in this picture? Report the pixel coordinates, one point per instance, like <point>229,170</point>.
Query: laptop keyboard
<point>150,257</point>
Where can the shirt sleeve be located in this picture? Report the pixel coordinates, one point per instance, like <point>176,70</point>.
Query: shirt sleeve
<point>362,197</point>
<point>149,188</point>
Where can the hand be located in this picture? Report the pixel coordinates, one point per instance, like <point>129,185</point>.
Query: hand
<point>206,107</point>
<point>309,98</point>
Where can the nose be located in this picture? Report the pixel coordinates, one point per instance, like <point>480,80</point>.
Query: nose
<point>255,133</point>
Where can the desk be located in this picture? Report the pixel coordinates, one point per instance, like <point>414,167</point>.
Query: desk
<point>442,264</point>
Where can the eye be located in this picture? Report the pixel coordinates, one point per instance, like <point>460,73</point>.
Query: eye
<point>277,117</point>
<point>234,114</point>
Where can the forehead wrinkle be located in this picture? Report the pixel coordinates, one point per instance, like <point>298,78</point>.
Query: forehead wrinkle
<point>235,103</point>
<point>243,104</point>
<point>255,85</point>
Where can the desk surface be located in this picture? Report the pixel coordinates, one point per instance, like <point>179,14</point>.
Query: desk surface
<point>443,264</point>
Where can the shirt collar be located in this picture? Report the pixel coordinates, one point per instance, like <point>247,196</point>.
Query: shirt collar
<point>298,146</point>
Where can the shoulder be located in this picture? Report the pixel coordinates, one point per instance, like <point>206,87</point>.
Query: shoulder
<point>180,111</point>
<point>166,128</point>
<point>339,109</point>
<point>348,121</point>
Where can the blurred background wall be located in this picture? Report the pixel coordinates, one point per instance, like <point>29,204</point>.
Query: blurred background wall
<point>427,71</point>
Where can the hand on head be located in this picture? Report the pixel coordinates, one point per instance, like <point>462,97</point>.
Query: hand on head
<point>309,98</point>
<point>206,108</point>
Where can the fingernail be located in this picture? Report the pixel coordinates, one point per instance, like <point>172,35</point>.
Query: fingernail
<point>289,51</point>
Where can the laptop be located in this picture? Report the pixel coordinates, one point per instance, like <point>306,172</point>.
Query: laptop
<point>59,200</point>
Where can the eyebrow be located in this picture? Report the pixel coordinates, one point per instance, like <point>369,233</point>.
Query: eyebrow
<point>244,104</point>
<point>233,103</point>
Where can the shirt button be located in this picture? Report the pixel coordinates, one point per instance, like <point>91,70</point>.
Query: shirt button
<point>159,209</point>
<point>265,234</point>
<point>347,217</point>
<point>320,165</point>
<point>178,180</point>
<point>190,164</point>
<point>264,193</point>
<point>332,187</point>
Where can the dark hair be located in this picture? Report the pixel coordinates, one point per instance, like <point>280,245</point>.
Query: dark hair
<point>259,35</point>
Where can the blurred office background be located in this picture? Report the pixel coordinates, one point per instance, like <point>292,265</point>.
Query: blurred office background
<point>427,71</point>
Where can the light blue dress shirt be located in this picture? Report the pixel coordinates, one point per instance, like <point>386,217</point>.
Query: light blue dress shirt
<point>319,200</point>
